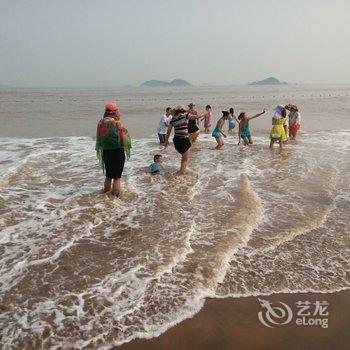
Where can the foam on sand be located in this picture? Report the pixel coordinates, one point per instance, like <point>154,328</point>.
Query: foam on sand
<point>80,269</point>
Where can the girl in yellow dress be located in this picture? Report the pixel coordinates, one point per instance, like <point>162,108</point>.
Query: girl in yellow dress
<point>278,130</point>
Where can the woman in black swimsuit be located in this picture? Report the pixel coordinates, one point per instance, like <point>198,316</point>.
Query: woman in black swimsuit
<point>193,130</point>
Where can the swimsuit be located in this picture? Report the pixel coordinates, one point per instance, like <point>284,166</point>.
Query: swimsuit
<point>207,120</point>
<point>245,132</point>
<point>231,123</point>
<point>216,133</point>
<point>192,126</point>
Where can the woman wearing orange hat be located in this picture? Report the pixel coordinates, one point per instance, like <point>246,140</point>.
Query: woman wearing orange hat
<point>112,143</point>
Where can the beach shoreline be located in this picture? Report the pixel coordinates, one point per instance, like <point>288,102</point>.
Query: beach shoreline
<point>233,324</point>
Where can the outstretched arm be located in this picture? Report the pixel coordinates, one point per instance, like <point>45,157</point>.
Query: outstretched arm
<point>257,115</point>
<point>194,116</point>
<point>202,116</point>
<point>170,127</point>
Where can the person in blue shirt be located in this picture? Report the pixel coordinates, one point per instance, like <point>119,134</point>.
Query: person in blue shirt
<point>156,167</point>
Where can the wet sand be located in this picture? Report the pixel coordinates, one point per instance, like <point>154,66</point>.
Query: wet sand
<point>232,324</point>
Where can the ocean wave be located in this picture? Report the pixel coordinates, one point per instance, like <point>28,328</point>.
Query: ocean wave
<point>84,269</point>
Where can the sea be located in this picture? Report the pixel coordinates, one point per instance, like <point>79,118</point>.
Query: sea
<point>80,269</point>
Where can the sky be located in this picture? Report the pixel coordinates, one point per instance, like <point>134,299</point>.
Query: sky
<point>90,43</point>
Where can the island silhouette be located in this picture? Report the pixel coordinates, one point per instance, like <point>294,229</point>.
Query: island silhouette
<point>162,83</point>
<point>268,81</point>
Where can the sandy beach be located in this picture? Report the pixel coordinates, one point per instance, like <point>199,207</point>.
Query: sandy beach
<point>232,324</point>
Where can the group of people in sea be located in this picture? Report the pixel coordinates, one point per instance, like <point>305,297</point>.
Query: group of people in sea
<point>113,142</point>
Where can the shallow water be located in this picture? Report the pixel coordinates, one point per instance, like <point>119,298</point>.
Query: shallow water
<point>81,269</point>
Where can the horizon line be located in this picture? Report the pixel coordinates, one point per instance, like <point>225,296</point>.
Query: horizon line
<point>5,86</point>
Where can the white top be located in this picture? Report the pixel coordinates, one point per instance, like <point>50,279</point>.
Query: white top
<point>162,128</point>
<point>294,117</point>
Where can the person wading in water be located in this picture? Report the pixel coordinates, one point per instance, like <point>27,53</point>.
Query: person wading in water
<point>181,141</point>
<point>112,143</point>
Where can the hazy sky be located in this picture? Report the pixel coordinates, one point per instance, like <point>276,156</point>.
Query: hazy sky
<point>115,42</point>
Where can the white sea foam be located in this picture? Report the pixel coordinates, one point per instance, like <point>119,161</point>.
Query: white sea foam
<point>94,272</point>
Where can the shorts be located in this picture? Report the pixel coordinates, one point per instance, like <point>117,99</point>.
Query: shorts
<point>161,138</point>
<point>216,133</point>
<point>294,128</point>
<point>207,122</point>
<point>114,160</point>
<point>182,144</point>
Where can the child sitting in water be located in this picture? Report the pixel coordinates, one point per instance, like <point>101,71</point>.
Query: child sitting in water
<point>243,130</point>
<point>232,120</point>
<point>156,167</point>
<point>217,133</point>
<point>278,130</point>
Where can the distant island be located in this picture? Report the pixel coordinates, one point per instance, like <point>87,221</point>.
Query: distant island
<point>161,83</point>
<point>269,81</point>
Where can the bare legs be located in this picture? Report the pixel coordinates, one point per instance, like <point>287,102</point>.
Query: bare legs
<point>275,140</point>
<point>220,143</point>
<point>292,135</point>
<point>193,137</point>
<point>114,188</point>
<point>247,141</point>
<point>184,161</point>
<point>107,185</point>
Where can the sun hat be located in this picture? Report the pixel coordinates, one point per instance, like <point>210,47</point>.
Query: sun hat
<point>111,106</point>
<point>278,111</point>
